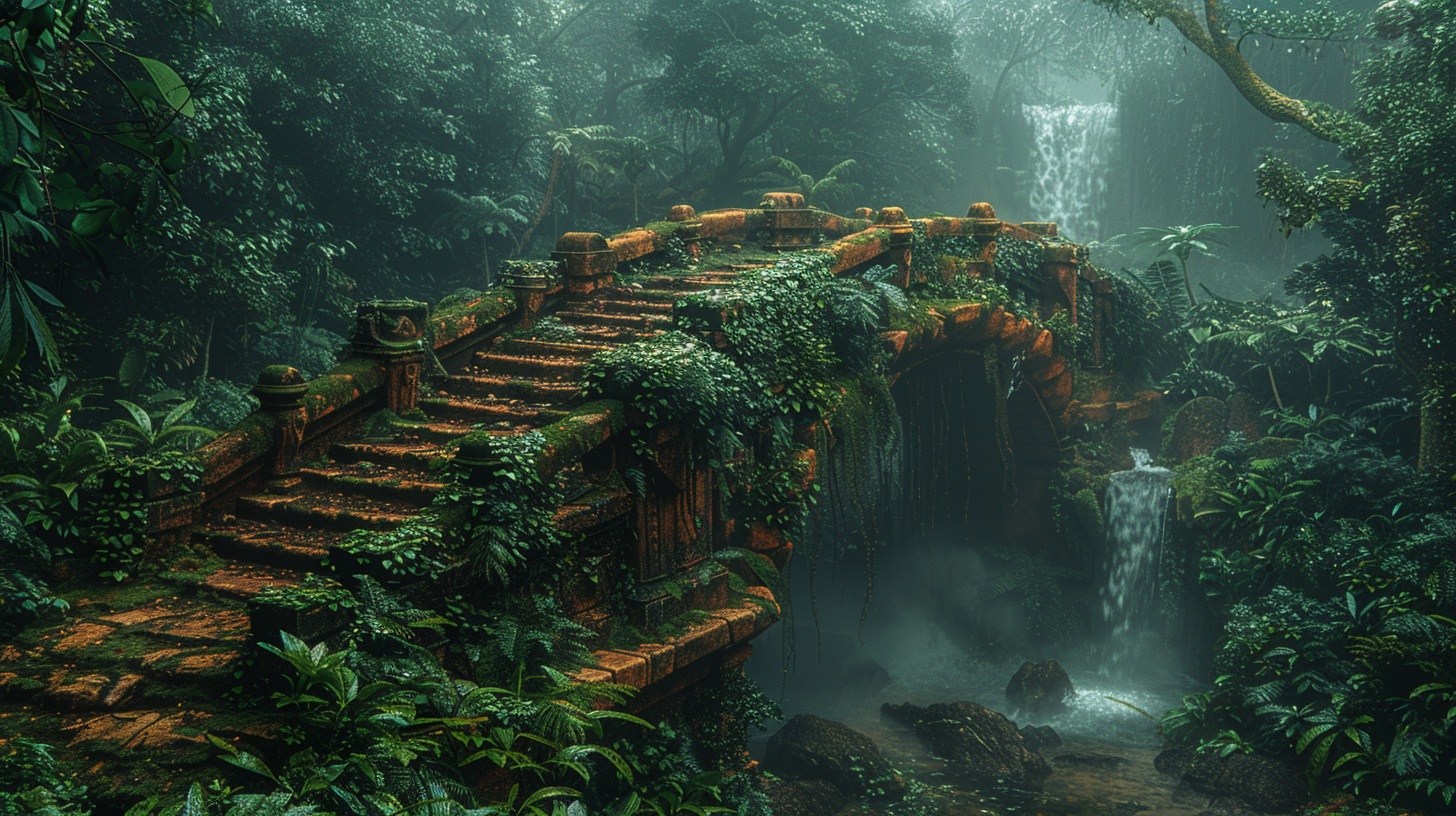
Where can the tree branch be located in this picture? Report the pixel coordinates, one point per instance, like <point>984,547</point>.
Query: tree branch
<point>1210,36</point>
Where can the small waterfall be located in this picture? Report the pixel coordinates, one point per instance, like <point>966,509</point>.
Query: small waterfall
<point>1073,143</point>
<point>1134,517</point>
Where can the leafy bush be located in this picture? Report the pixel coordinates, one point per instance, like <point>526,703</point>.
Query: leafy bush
<point>32,782</point>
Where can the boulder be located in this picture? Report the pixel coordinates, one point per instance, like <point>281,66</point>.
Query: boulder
<point>1040,738</point>
<point>1200,427</point>
<point>1262,783</point>
<point>1040,689</point>
<point>804,797</point>
<point>983,746</point>
<point>809,747</point>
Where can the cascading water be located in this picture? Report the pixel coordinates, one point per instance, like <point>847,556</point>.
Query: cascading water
<point>1073,143</point>
<point>1134,517</point>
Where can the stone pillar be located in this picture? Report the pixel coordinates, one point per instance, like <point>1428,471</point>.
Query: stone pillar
<point>690,228</point>
<point>985,226</point>
<point>587,262</point>
<point>530,282</point>
<point>280,390</point>
<point>393,332</point>
<point>791,225</point>
<point>1059,280</point>
<point>902,235</point>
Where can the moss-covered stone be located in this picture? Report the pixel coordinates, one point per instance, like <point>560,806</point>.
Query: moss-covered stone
<point>1196,483</point>
<point>1199,428</point>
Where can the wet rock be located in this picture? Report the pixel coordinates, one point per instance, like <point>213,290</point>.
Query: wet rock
<point>1262,783</point>
<point>1040,738</point>
<point>983,745</point>
<point>1200,427</point>
<point>806,797</point>
<point>809,747</point>
<point>1040,689</point>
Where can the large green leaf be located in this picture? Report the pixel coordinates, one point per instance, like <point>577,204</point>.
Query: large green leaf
<point>173,89</point>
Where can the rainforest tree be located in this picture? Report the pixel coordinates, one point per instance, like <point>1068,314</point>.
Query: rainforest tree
<point>849,74</point>
<point>1390,212</point>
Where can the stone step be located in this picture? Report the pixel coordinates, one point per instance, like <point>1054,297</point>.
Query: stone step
<point>255,542</point>
<point>343,512</point>
<point>639,307</point>
<point>488,410</point>
<point>546,348</point>
<point>484,384</point>
<point>407,485</point>
<point>416,455</point>
<point>641,323</point>
<point>539,367</point>
<point>243,580</point>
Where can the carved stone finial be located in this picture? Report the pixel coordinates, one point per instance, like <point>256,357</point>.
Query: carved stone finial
<point>682,213</point>
<point>981,210</point>
<point>279,388</point>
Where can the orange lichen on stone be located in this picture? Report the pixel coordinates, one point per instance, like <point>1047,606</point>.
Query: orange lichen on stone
<point>158,656</point>
<point>80,692</point>
<point>591,676</point>
<point>724,223</point>
<point>1040,353</point>
<point>965,317</point>
<point>634,244</point>
<point>140,615</point>
<point>122,691</point>
<point>209,664</point>
<point>630,670</point>
<point>242,581</point>
<point>82,634</point>
<point>766,594</point>
<point>210,625</point>
<point>701,640</point>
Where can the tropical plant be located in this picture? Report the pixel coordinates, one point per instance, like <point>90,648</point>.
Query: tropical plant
<point>828,192</point>
<point>1181,242</point>
<point>142,433</point>
<point>483,217</point>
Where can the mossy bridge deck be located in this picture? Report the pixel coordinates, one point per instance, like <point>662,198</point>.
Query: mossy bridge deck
<point>135,675</point>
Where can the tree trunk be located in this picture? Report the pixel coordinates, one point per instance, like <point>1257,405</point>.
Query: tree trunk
<point>1437,382</point>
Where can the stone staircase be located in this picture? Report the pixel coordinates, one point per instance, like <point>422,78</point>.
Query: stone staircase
<point>131,680</point>
<point>517,385</point>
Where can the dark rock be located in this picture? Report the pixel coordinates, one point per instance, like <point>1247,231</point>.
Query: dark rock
<point>809,747</point>
<point>1039,738</point>
<point>982,745</point>
<point>1040,688</point>
<point>1264,784</point>
<point>1199,428</point>
<point>805,797</point>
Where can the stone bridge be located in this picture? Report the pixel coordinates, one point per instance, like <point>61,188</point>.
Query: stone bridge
<point>135,676</point>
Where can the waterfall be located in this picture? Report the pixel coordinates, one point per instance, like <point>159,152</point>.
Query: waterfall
<point>1135,513</point>
<point>1073,143</point>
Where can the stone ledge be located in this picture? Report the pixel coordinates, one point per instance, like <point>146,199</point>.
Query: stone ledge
<point>652,663</point>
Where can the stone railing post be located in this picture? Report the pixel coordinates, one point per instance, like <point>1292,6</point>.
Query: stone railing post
<point>530,282</point>
<point>985,226</point>
<point>902,235</point>
<point>1101,317</point>
<point>791,225</point>
<point>1059,280</point>
<point>689,229</point>
<point>280,390</point>
<point>393,332</point>
<point>587,262</point>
